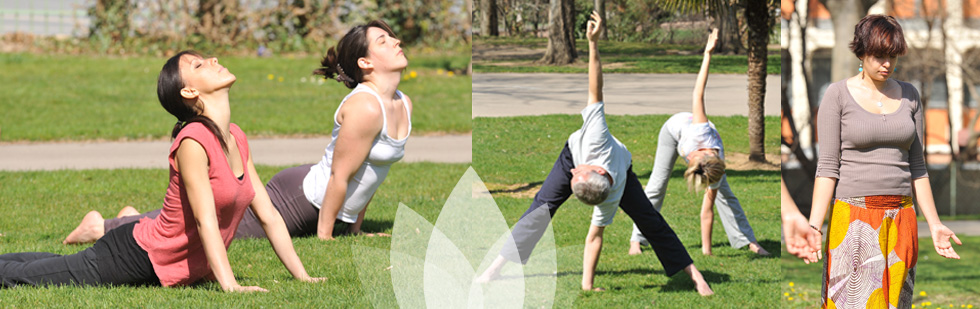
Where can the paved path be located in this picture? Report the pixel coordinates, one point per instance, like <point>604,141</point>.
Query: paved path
<point>153,154</point>
<point>519,94</point>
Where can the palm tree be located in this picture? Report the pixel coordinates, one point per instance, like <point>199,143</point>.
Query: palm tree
<point>758,17</point>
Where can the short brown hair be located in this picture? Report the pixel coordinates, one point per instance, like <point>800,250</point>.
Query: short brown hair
<point>878,35</point>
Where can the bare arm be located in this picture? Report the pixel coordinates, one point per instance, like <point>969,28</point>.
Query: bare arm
<point>361,117</point>
<point>275,228</point>
<point>593,247</point>
<point>595,66</point>
<point>801,239</point>
<point>697,108</point>
<point>192,161</point>
<point>707,219</point>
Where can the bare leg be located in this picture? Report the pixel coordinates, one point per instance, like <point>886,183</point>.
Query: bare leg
<point>127,211</point>
<point>635,248</point>
<point>89,230</point>
<point>699,283</point>
<point>755,247</point>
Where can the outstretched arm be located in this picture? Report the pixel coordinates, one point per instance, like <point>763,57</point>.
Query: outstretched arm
<point>595,66</point>
<point>192,162</point>
<point>275,228</point>
<point>361,124</point>
<point>698,106</point>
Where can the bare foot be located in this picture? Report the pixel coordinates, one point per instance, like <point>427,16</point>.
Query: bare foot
<point>593,289</point>
<point>635,248</point>
<point>128,211</point>
<point>89,230</point>
<point>755,247</point>
<point>706,250</point>
<point>699,283</point>
<point>489,275</point>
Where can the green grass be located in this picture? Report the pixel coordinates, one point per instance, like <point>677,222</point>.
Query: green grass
<point>617,57</point>
<point>522,150</point>
<point>65,97</point>
<point>945,282</point>
<point>42,207</point>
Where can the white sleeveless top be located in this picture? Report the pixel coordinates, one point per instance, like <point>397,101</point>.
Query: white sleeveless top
<point>384,151</point>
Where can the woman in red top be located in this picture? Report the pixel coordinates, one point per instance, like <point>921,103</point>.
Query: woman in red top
<point>212,182</point>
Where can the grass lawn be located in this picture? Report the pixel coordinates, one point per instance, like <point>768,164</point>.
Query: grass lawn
<point>494,55</point>
<point>42,207</point>
<point>518,152</point>
<point>67,97</point>
<point>939,282</point>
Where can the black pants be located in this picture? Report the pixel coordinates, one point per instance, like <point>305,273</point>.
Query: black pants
<point>286,192</point>
<point>115,259</point>
<point>556,190</point>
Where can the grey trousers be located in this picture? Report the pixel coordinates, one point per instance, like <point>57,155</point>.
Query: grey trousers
<point>732,216</point>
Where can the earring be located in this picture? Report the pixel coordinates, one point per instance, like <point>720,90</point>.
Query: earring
<point>861,67</point>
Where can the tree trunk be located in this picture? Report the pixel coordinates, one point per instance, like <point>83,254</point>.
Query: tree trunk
<point>600,6</point>
<point>845,14</point>
<point>757,16</point>
<point>488,22</point>
<point>727,24</point>
<point>561,33</point>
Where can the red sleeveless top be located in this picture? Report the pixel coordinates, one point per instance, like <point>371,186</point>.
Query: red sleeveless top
<point>171,239</point>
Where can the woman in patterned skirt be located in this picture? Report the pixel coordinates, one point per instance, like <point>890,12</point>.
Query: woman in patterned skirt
<point>871,159</point>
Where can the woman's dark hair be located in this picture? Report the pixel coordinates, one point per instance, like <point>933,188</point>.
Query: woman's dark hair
<point>342,59</point>
<point>878,35</point>
<point>169,85</point>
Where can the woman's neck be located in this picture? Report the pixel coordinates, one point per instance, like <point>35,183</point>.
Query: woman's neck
<point>879,85</point>
<point>217,108</point>
<point>384,84</point>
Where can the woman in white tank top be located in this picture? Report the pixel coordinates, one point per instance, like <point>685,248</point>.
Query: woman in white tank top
<point>693,137</point>
<point>370,128</point>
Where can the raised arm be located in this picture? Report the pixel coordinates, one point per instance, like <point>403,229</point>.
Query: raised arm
<point>275,228</point>
<point>595,66</point>
<point>361,123</point>
<point>192,161</point>
<point>698,103</point>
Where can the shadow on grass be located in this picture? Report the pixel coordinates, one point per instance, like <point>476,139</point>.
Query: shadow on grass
<point>523,188</point>
<point>683,283</point>
<point>633,271</point>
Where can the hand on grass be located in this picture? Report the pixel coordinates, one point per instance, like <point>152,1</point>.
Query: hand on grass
<point>245,289</point>
<point>309,279</point>
<point>940,240</point>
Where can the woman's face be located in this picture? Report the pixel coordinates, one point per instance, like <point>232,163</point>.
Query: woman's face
<point>879,68</point>
<point>385,51</point>
<point>204,75</point>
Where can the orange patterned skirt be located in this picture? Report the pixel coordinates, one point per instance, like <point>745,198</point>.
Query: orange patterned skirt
<point>871,251</point>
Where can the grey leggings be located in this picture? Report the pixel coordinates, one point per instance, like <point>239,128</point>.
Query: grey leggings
<point>115,259</point>
<point>286,192</point>
<point>732,216</point>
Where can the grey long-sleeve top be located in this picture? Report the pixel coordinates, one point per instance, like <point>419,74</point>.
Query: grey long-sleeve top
<point>870,154</point>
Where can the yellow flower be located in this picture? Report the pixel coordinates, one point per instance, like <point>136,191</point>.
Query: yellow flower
<point>790,298</point>
<point>450,73</point>
<point>927,303</point>
<point>792,290</point>
<point>271,76</point>
<point>913,306</point>
<point>922,293</point>
<point>785,294</point>
<point>281,79</point>
<point>791,284</point>
<point>413,74</point>
<point>969,306</point>
<point>440,71</point>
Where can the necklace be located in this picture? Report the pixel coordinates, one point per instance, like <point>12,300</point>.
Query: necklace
<point>880,96</point>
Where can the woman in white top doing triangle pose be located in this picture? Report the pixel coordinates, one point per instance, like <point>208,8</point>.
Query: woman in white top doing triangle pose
<point>370,128</point>
<point>694,138</point>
